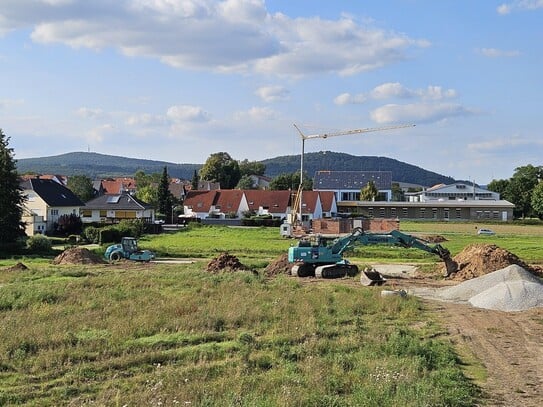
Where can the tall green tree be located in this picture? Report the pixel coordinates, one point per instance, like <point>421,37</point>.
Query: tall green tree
<point>520,187</point>
<point>291,181</point>
<point>148,194</point>
<point>397,192</point>
<point>245,182</point>
<point>499,186</point>
<point>247,167</point>
<point>81,186</point>
<point>11,198</point>
<point>195,181</point>
<point>221,168</point>
<point>369,192</point>
<point>537,200</point>
<point>165,198</point>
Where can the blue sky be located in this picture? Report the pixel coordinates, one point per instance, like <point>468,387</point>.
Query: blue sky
<point>178,80</point>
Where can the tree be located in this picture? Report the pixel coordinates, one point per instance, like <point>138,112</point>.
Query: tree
<point>148,194</point>
<point>397,192</point>
<point>247,167</point>
<point>11,197</point>
<point>499,186</point>
<point>537,200</point>
<point>245,182</point>
<point>164,196</point>
<point>290,181</point>
<point>143,180</point>
<point>369,192</point>
<point>69,224</point>
<point>520,187</point>
<point>81,186</point>
<point>195,180</point>
<point>221,168</point>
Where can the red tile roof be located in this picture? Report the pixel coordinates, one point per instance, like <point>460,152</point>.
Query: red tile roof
<point>274,201</point>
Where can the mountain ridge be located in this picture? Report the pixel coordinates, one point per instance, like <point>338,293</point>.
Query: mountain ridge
<point>97,165</point>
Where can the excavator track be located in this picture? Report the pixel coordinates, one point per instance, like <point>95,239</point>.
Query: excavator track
<point>302,270</point>
<point>336,270</point>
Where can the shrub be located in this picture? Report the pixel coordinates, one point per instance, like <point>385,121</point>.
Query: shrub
<point>39,243</point>
<point>91,234</point>
<point>133,227</point>
<point>69,224</point>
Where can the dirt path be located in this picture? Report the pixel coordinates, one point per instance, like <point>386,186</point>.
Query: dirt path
<point>508,345</point>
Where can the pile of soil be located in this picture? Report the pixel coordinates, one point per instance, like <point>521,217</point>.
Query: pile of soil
<point>478,259</point>
<point>278,266</point>
<point>225,261</point>
<point>77,255</point>
<point>17,267</point>
<point>432,238</point>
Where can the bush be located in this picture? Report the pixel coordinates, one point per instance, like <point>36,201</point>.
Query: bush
<point>134,228</point>
<point>39,243</point>
<point>109,235</point>
<point>91,234</point>
<point>69,225</point>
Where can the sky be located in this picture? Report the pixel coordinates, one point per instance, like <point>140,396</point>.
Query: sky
<point>179,80</point>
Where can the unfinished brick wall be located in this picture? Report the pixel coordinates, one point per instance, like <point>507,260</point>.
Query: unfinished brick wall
<point>338,226</point>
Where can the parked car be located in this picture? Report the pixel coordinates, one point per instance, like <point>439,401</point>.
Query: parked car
<point>485,232</point>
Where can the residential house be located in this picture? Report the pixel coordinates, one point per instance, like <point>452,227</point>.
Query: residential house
<point>265,202</point>
<point>346,185</point>
<point>260,181</point>
<point>114,208</point>
<point>47,200</point>
<point>221,204</point>
<point>122,185</point>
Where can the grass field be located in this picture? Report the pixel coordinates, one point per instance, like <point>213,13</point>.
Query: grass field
<point>166,335</point>
<point>175,335</point>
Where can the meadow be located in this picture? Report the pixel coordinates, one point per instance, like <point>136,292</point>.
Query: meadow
<point>165,335</point>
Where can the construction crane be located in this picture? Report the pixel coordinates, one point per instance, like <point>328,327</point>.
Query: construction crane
<point>296,211</point>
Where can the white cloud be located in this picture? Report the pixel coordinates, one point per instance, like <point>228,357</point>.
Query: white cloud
<point>224,36</point>
<point>272,93</point>
<point>145,120</point>
<point>187,113</point>
<point>418,112</point>
<point>496,53</point>
<point>98,134</point>
<point>396,90</point>
<point>5,103</point>
<point>347,98</point>
<point>90,113</point>
<point>257,114</point>
<point>507,8</point>
<point>506,145</point>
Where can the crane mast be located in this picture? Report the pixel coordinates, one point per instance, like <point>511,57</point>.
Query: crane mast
<point>296,211</point>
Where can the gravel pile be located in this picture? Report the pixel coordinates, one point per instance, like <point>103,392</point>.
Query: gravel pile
<point>512,288</point>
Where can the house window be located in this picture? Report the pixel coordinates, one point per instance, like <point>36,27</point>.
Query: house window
<point>103,214</point>
<point>404,212</point>
<point>458,213</point>
<point>434,213</point>
<point>54,212</point>
<point>422,213</point>
<point>125,214</point>
<point>86,213</point>
<point>393,212</point>
<point>382,212</point>
<point>370,212</point>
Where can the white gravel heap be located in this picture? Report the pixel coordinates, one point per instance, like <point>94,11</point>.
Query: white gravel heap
<point>509,289</point>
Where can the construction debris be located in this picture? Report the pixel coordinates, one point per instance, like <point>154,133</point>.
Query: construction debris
<point>77,255</point>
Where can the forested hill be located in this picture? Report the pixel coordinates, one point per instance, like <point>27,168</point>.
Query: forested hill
<point>97,165</point>
<point>326,160</point>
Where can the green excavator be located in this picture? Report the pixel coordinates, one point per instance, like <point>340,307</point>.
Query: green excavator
<point>323,258</point>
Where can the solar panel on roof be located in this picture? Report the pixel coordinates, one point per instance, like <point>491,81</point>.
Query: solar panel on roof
<point>113,199</point>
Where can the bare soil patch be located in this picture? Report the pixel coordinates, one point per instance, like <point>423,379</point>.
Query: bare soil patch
<point>432,238</point>
<point>17,267</point>
<point>78,255</point>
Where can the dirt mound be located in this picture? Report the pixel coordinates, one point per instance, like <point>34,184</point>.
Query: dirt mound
<point>479,259</point>
<point>17,267</point>
<point>280,265</point>
<point>77,255</point>
<point>225,261</point>
<point>432,238</point>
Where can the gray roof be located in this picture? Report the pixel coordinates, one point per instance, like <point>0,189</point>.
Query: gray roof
<point>355,180</point>
<point>53,193</point>
<point>117,202</point>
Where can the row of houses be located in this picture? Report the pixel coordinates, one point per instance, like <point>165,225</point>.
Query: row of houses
<point>336,193</point>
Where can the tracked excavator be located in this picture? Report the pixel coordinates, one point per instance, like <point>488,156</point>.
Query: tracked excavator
<point>323,258</point>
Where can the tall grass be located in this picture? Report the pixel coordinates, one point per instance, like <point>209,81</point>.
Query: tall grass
<point>176,335</point>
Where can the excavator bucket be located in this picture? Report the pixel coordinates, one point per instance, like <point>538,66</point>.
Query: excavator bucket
<point>450,266</point>
<point>371,277</point>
